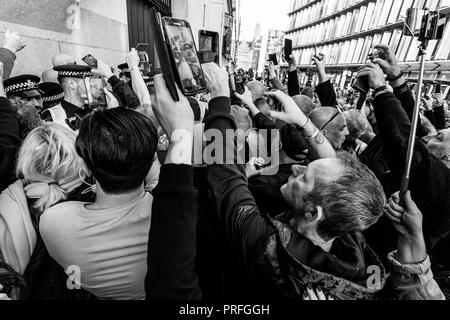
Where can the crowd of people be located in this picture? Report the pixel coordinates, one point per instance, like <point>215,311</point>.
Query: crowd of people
<point>150,198</point>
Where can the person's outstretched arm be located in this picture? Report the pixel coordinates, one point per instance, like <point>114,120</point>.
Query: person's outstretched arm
<point>123,91</point>
<point>412,278</point>
<point>388,62</point>
<point>244,225</point>
<point>324,89</point>
<point>439,111</point>
<point>13,44</point>
<point>9,137</point>
<point>393,122</point>
<point>293,84</point>
<point>319,147</point>
<point>274,78</point>
<point>172,238</point>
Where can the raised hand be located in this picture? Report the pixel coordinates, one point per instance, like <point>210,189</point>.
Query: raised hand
<point>216,80</point>
<point>292,63</point>
<point>375,75</point>
<point>319,61</point>
<point>246,98</point>
<point>132,59</point>
<point>170,114</point>
<point>177,121</point>
<point>271,68</point>
<point>103,70</point>
<point>13,41</point>
<point>290,113</point>
<point>407,218</point>
<point>386,59</point>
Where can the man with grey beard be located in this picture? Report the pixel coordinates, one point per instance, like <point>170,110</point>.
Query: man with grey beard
<point>26,101</point>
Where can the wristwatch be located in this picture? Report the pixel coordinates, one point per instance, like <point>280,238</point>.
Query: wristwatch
<point>393,78</point>
<point>380,90</point>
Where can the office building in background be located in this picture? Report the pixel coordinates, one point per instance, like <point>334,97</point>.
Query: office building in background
<point>275,44</point>
<point>346,30</point>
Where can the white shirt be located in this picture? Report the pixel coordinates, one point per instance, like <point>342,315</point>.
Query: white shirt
<point>108,245</point>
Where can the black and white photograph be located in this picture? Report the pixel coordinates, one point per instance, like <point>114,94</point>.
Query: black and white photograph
<point>219,159</point>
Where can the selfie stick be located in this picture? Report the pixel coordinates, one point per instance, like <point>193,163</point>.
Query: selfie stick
<point>415,120</point>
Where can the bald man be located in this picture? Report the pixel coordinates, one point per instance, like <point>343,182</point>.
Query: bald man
<point>50,76</point>
<point>257,89</point>
<point>304,103</point>
<point>332,124</point>
<point>62,59</point>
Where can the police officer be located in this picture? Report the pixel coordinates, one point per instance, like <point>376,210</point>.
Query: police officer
<point>23,91</point>
<point>72,80</point>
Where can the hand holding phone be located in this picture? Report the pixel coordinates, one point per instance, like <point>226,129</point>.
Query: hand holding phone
<point>184,56</point>
<point>104,70</point>
<point>239,84</point>
<point>287,48</point>
<point>90,61</point>
<point>144,60</point>
<point>273,58</point>
<point>163,53</point>
<point>133,59</point>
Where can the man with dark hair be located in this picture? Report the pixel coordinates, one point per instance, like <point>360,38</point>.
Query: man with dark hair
<point>118,147</point>
<point>108,239</point>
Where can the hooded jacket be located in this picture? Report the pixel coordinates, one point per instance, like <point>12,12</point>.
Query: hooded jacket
<point>17,234</point>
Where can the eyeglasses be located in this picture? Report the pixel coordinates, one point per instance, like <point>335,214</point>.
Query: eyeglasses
<point>339,111</point>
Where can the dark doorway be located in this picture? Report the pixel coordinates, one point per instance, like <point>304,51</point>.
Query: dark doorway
<point>139,22</point>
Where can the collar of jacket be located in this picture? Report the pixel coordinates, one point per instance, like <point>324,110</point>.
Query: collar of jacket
<point>291,258</point>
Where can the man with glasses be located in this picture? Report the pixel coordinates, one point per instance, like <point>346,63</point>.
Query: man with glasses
<point>332,124</point>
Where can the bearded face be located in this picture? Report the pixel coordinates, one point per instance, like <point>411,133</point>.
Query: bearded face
<point>27,115</point>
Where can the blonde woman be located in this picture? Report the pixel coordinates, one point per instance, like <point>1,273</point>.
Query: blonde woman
<point>49,172</point>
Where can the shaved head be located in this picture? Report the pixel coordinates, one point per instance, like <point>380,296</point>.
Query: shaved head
<point>304,103</point>
<point>62,59</point>
<point>50,76</point>
<point>332,123</point>
<point>257,89</point>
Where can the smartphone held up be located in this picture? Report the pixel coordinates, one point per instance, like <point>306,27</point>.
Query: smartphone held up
<point>178,55</point>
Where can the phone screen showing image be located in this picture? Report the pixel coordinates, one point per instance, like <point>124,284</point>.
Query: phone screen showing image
<point>90,61</point>
<point>273,58</point>
<point>182,47</point>
<point>96,95</point>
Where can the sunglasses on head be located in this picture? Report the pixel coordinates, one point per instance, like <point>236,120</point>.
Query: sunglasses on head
<point>338,112</point>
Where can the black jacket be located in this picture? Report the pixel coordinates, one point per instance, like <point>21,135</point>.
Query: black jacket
<point>172,240</point>
<point>430,178</point>
<point>9,142</point>
<point>7,57</point>
<point>437,117</point>
<point>126,95</point>
<point>326,94</point>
